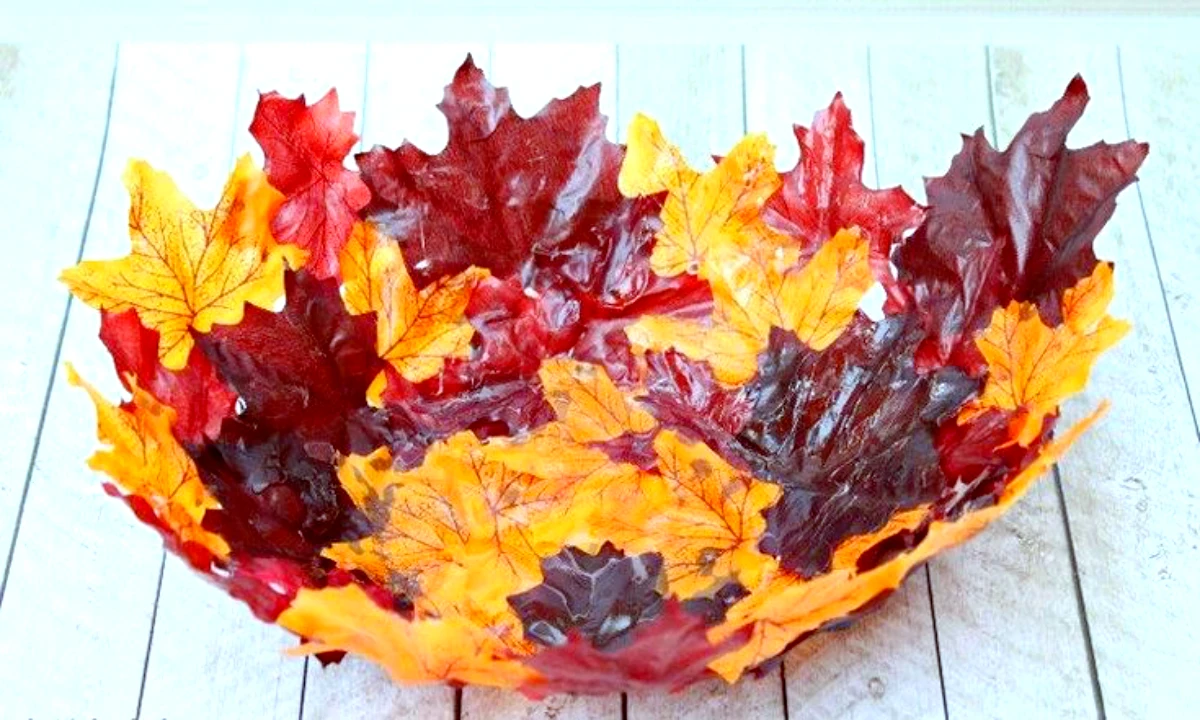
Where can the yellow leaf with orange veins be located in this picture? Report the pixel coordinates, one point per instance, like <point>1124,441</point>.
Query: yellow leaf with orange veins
<point>435,650</point>
<point>589,403</point>
<point>416,330</point>
<point>188,269</point>
<point>700,513</point>
<point>1032,368</point>
<point>146,460</point>
<point>701,210</point>
<point>819,300</point>
<point>730,346</point>
<point>783,606</point>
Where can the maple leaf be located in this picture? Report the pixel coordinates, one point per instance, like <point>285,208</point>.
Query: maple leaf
<point>147,461</point>
<point>588,403</point>
<point>848,434</point>
<point>460,506</point>
<point>416,331</point>
<point>784,607</point>
<point>188,269</point>
<point>824,193</point>
<point>701,514</point>
<point>670,652</point>
<point>449,649</point>
<point>1032,368</point>
<point>196,394</point>
<point>503,185</point>
<point>304,368</point>
<point>702,211</point>
<point>601,596</point>
<point>1012,225</point>
<point>305,147</point>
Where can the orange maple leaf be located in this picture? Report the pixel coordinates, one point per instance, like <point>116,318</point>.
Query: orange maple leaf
<point>461,508</point>
<point>1032,368</point>
<point>189,269</point>
<point>425,650</point>
<point>417,330</point>
<point>589,403</point>
<point>700,513</point>
<point>784,606</point>
<point>145,459</point>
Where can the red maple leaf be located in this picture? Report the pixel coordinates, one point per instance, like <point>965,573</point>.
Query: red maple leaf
<point>671,652</point>
<point>199,398</point>
<point>1017,224</point>
<point>305,147</point>
<point>824,193</point>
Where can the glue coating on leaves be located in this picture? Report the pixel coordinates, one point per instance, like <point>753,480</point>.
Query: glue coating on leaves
<point>545,412</point>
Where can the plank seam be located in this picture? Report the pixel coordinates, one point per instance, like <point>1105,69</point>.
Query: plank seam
<point>783,688</point>
<point>303,688</point>
<point>62,332</point>
<point>162,566</point>
<point>1080,604</point>
<point>1187,389</point>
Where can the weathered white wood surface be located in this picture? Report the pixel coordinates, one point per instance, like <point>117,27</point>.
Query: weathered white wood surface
<point>56,146</point>
<point>87,630</point>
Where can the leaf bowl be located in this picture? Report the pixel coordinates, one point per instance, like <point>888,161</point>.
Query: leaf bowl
<point>550,413</point>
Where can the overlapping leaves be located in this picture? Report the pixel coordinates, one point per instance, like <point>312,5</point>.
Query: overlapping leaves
<point>543,411</point>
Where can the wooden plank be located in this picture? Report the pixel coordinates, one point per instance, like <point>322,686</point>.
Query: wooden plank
<point>535,74</point>
<point>404,84</point>
<point>266,683</point>
<point>1160,87</point>
<point>885,664</point>
<point>696,94</point>
<point>998,657</point>
<point>1130,483</point>
<point>78,611</point>
<point>52,151</point>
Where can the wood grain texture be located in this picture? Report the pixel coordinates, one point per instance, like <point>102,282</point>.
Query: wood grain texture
<point>83,563</point>
<point>268,683</point>
<point>1010,634</point>
<point>885,665</point>
<point>50,151</point>
<point>1130,483</point>
<point>696,95</point>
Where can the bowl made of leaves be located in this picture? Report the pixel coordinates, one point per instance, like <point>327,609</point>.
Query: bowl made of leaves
<point>551,413</point>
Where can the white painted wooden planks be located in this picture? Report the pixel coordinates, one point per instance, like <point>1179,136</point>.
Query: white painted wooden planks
<point>1130,483</point>
<point>50,152</point>
<point>886,663</point>
<point>80,597</point>
<point>696,95</point>
<point>403,85</point>
<point>534,75</point>
<point>267,683</point>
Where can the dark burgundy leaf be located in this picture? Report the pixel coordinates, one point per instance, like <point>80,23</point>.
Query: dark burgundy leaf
<point>601,597</point>
<point>848,433</point>
<point>1017,224</point>
<point>198,397</point>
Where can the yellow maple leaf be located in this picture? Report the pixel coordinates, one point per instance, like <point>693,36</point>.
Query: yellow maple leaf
<point>461,507</point>
<point>784,606</point>
<point>589,403</point>
<point>416,330</point>
<point>146,460</point>
<point>727,342</point>
<point>445,649</point>
<point>820,299</point>
<point>700,513</point>
<point>702,210</point>
<point>188,269</point>
<point>1032,368</point>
